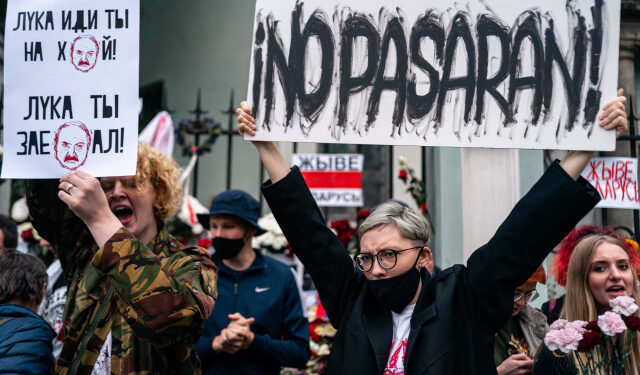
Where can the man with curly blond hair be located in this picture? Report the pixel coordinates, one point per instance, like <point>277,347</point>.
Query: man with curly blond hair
<point>137,299</point>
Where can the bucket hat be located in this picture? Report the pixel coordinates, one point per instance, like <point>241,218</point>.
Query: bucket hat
<point>237,203</point>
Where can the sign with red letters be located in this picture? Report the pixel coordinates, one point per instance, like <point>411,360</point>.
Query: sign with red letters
<point>616,179</point>
<point>335,180</point>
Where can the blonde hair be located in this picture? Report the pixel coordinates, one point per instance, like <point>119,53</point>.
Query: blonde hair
<point>579,302</point>
<point>163,174</point>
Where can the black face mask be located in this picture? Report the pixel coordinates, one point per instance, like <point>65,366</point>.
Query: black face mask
<point>227,248</point>
<point>396,292</point>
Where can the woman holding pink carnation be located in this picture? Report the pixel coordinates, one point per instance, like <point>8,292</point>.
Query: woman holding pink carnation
<point>598,323</point>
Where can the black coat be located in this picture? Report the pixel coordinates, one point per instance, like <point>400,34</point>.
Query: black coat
<point>460,310</point>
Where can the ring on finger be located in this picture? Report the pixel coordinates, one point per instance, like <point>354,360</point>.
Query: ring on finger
<point>68,189</point>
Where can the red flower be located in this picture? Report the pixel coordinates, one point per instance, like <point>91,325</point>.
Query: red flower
<point>403,175</point>
<point>593,326</point>
<point>344,231</point>
<point>312,330</point>
<point>205,242</point>
<point>27,235</point>
<point>589,341</point>
<point>423,208</point>
<point>340,225</point>
<point>289,251</point>
<point>633,322</point>
<point>363,214</point>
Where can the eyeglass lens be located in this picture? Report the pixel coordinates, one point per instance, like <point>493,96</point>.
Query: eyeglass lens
<point>386,259</point>
<point>528,296</point>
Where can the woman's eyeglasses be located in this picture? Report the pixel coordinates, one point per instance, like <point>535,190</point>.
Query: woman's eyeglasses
<point>387,258</point>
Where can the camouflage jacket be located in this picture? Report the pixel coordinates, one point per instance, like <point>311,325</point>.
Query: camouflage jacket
<point>153,298</point>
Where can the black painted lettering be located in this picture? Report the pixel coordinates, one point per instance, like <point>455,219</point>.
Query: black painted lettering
<point>44,147</point>
<point>97,141</point>
<point>33,108</point>
<point>528,28</point>
<point>286,67</point>
<point>66,107</point>
<point>398,83</point>
<point>429,26</point>
<point>22,16</point>
<point>459,30</point>
<point>311,103</point>
<point>356,26</point>
<point>61,51</point>
<point>32,51</point>
<point>23,143</point>
<point>572,82</point>
<point>488,26</point>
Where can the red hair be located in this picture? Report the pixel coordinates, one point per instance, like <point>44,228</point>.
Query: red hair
<point>538,276</point>
<point>563,254</point>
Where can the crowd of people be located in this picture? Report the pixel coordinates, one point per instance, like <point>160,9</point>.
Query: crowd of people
<point>124,297</point>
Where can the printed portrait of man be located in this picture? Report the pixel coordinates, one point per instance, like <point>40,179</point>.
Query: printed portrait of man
<point>84,52</point>
<point>71,144</point>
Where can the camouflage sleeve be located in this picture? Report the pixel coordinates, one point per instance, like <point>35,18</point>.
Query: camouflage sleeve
<point>160,297</point>
<point>56,223</point>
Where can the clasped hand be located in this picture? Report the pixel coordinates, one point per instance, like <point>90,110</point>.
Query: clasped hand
<point>237,336</point>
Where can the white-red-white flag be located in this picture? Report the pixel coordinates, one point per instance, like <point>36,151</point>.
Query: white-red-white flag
<point>335,180</point>
<point>159,133</point>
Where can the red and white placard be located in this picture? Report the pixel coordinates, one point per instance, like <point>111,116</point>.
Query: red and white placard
<point>335,180</point>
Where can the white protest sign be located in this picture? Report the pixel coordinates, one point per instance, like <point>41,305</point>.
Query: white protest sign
<point>335,180</point>
<point>504,74</point>
<point>616,179</point>
<point>71,88</point>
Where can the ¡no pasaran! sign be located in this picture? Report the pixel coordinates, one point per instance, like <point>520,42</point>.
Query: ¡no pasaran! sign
<point>470,73</point>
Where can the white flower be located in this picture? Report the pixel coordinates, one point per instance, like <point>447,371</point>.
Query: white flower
<point>565,339</point>
<point>268,222</point>
<point>611,323</point>
<point>623,305</point>
<point>323,350</point>
<point>326,330</point>
<point>577,325</point>
<point>551,339</point>
<point>402,160</point>
<point>20,211</point>
<point>273,238</point>
<point>314,346</point>
<point>558,324</point>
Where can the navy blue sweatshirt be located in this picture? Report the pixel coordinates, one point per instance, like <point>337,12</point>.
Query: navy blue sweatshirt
<point>265,291</point>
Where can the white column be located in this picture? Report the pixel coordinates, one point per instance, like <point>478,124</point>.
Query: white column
<point>490,189</point>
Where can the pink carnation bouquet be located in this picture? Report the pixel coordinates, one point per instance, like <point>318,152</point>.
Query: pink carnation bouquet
<point>595,340</point>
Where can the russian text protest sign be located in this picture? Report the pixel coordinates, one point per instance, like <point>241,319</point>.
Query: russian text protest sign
<point>616,179</point>
<point>335,180</point>
<point>71,88</point>
<point>508,74</point>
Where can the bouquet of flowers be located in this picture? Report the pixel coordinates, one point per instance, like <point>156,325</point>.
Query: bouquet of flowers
<point>347,233</point>
<point>602,345</point>
<point>321,334</point>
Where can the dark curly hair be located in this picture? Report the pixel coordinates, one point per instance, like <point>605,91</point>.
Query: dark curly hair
<point>22,277</point>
